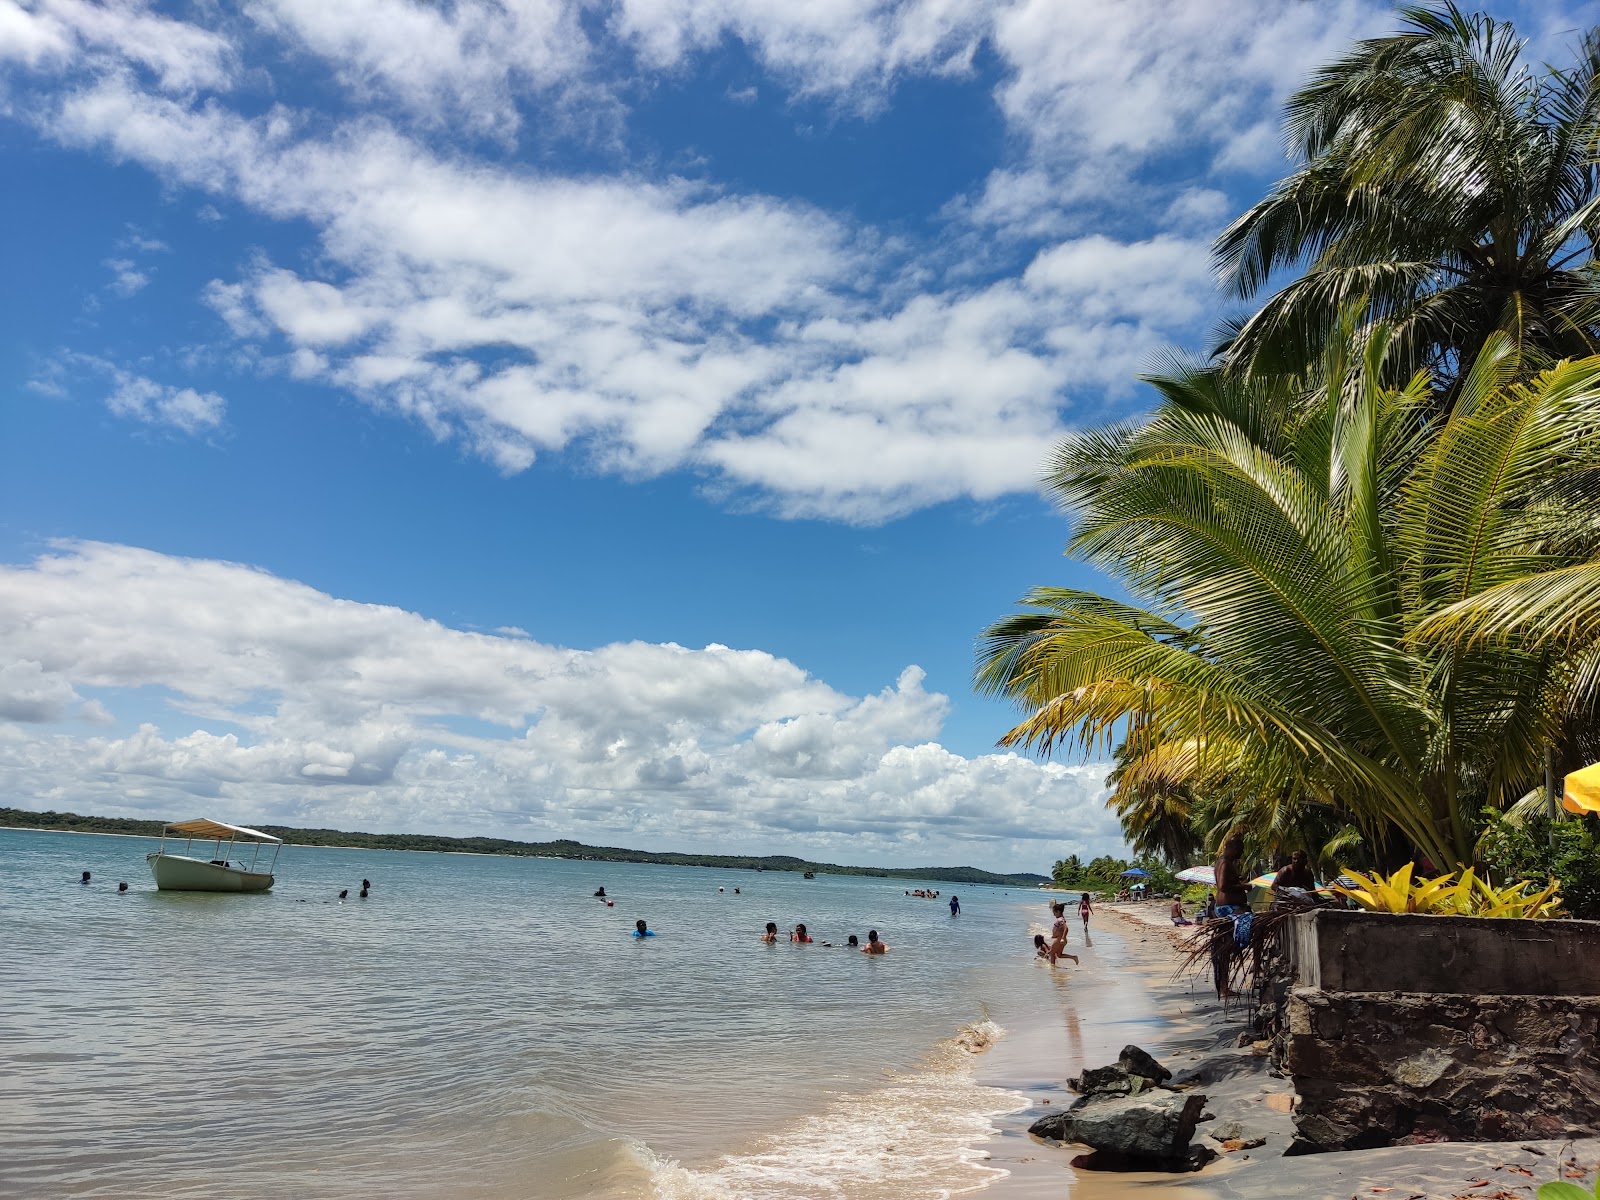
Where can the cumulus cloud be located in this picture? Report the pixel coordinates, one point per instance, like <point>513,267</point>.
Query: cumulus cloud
<point>285,704</point>
<point>793,358</point>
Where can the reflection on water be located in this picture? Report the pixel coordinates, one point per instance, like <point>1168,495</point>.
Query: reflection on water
<point>479,1027</point>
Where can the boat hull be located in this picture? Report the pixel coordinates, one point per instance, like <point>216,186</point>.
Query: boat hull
<point>177,873</point>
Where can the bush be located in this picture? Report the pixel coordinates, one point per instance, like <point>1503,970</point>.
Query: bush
<point>1527,850</point>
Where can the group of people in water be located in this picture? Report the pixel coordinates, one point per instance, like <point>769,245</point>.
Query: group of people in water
<point>802,936</point>
<point>799,935</point>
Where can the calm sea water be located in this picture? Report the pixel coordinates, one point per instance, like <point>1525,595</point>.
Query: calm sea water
<point>482,1027</point>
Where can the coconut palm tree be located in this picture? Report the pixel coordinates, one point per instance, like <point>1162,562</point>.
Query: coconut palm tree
<point>1285,539</point>
<point>1441,185</point>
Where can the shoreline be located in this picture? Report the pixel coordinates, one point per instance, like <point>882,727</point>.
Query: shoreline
<point>1189,1031</point>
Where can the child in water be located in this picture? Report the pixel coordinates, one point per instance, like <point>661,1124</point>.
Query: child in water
<point>874,946</point>
<point>771,935</point>
<point>799,934</point>
<point>641,930</point>
<point>1042,950</point>
<point>1058,935</point>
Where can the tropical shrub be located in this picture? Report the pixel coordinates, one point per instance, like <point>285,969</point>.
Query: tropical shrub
<point>1538,848</point>
<point>1445,895</point>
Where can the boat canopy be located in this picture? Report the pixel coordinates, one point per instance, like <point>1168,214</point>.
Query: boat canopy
<point>201,827</point>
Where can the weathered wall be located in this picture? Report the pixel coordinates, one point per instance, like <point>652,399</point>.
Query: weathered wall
<point>1343,951</point>
<point>1375,1069</point>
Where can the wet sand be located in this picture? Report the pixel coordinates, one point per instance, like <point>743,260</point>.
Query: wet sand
<point>1128,991</point>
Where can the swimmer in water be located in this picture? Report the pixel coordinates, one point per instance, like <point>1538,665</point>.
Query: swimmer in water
<point>85,878</point>
<point>600,894</point>
<point>735,891</point>
<point>641,930</point>
<point>799,934</point>
<point>345,892</point>
<point>122,887</point>
<point>854,943</point>
<point>1041,949</point>
<point>771,935</point>
<point>874,946</point>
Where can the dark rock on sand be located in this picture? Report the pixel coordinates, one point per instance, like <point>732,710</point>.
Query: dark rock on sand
<point>1133,1072</point>
<point>1148,1130</point>
<point>1136,1062</point>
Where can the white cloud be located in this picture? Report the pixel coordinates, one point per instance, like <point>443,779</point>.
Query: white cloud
<point>286,704</point>
<point>56,34</point>
<point>794,359</point>
<point>464,61</point>
<point>839,49</point>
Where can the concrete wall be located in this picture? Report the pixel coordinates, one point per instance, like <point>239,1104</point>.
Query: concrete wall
<point>1339,950</point>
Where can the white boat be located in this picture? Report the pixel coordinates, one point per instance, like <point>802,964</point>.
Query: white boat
<point>221,872</point>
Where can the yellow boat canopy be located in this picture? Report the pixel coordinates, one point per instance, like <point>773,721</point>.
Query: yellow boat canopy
<point>1582,793</point>
<point>201,827</point>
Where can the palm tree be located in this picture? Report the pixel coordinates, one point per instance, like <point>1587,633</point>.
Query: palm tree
<point>1442,186</point>
<point>1285,540</point>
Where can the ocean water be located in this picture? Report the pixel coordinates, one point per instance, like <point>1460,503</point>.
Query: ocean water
<point>482,1027</point>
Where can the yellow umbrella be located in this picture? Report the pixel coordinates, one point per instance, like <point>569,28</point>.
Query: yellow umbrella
<point>1583,791</point>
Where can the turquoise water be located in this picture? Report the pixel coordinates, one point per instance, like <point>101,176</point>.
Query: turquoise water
<point>482,1027</point>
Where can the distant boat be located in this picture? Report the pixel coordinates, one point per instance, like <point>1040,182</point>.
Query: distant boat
<point>811,875</point>
<point>219,873</point>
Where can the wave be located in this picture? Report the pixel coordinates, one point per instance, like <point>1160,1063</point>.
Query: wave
<point>916,1136</point>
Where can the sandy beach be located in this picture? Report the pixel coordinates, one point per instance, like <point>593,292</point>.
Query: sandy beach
<point>1178,1019</point>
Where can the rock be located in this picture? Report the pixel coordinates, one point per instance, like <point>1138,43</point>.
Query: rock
<point>1135,1061</point>
<point>1102,1081</point>
<point>1281,1102</point>
<point>1151,1130</point>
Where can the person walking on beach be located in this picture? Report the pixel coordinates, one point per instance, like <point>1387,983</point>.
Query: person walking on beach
<point>771,935</point>
<point>874,946</point>
<point>955,906</point>
<point>1085,911</point>
<point>1058,934</point>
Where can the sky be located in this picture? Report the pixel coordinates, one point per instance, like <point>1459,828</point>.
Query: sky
<point>608,419</point>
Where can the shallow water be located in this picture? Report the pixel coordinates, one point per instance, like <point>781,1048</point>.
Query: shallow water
<point>482,1027</point>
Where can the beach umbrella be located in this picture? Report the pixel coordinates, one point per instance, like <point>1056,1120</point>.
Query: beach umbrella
<point>1582,792</point>
<point>1205,875</point>
<point>1135,873</point>
<point>1264,880</point>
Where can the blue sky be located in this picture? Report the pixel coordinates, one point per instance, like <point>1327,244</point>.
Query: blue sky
<point>597,418</point>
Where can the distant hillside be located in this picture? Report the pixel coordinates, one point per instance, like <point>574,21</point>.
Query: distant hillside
<point>565,848</point>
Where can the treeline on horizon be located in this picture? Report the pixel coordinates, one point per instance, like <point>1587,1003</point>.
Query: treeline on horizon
<point>17,818</point>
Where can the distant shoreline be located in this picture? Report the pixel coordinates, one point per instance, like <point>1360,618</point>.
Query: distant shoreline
<point>426,843</point>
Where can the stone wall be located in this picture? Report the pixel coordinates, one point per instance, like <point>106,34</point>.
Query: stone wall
<point>1376,1069</point>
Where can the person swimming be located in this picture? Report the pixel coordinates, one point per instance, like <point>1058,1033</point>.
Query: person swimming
<point>641,930</point>
<point>771,935</point>
<point>85,878</point>
<point>600,893</point>
<point>122,887</point>
<point>735,891</point>
<point>874,946</point>
<point>854,943</point>
<point>343,893</point>
<point>799,934</point>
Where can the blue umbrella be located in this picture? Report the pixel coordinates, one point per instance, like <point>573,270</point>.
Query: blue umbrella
<point>1135,873</point>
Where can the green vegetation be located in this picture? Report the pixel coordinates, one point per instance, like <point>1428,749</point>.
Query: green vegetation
<point>1357,554</point>
<point>73,823</point>
<point>1105,874</point>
